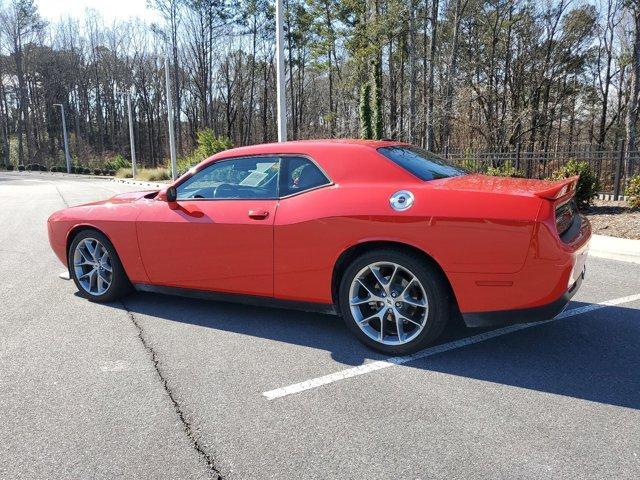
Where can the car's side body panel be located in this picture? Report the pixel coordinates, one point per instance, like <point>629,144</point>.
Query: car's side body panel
<point>208,245</point>
<point>115,218</point>
<point>328,221</point>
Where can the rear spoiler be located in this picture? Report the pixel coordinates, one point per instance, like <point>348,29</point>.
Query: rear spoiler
<point>563,188</point>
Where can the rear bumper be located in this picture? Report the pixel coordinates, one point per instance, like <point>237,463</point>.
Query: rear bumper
<point>524,315</point>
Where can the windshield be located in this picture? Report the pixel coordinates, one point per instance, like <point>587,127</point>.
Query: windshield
<point>421,163</point>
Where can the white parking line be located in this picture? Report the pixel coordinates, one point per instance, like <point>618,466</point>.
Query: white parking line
<point>445,347</point>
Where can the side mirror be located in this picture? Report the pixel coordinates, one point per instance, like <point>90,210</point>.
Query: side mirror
<point>172,194</point>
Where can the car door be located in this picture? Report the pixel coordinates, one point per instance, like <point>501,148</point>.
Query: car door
<point>218,234</point>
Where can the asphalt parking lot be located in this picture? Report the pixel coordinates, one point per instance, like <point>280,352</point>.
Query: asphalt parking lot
<point>166,387</point>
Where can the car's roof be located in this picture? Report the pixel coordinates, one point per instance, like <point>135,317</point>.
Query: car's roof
<point>301,146</point>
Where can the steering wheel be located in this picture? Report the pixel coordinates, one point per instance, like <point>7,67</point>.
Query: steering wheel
<point>224,190</point>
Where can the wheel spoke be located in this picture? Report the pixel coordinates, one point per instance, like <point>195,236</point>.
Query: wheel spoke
<point>371,294</point>
<point>376,273</point>
<point>86,274</point>
<point>415,303</point>
<point>92,249</point>
<point>399,328</point>
<point>404,291</point>
<point>412,321</point>
<point>393,274</point>
<point>368,319</point>
<point>360,301</point>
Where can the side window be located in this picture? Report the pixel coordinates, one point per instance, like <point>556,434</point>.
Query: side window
<point>237,178</point>
<point>299,174</point>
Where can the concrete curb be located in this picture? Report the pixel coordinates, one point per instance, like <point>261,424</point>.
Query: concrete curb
<point>129,181</point>
<point>58,174</point>
<point>613,248</point>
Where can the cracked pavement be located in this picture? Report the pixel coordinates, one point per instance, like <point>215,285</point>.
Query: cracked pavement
<point>167,387</point>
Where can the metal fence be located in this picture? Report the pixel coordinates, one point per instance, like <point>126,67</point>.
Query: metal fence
<point>611,166</point>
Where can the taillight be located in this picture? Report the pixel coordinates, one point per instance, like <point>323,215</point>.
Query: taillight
<point>565,214</point>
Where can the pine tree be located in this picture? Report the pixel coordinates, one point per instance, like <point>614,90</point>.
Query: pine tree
<point>366,127</point>
<point>377,100</point>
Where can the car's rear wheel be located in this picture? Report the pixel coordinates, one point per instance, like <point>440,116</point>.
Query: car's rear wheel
<point>95,267</point>
<point>394,301</point>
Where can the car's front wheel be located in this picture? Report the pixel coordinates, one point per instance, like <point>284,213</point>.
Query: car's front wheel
<point>394,301</point>
<point>95,267</point>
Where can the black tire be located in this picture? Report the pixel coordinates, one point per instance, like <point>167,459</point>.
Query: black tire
<point>120,285</point>
<point>435,288</point>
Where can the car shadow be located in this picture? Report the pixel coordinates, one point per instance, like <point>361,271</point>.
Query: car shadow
<point>593,356</point>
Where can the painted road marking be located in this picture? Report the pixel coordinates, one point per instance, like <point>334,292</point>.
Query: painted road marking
<point>445,347</point>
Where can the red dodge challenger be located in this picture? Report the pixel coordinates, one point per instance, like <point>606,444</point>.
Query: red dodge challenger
<point>389,236</point>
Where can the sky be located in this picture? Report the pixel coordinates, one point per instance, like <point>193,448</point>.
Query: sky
<point>109,9</point>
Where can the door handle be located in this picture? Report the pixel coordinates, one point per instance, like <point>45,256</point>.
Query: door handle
<point>258,214</point>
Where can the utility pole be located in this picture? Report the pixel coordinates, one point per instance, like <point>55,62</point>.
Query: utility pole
<point>172,140</point>
<point>64,134</point>
<point>132,142</point>
<point>281,94</point>
<point>131,139</point>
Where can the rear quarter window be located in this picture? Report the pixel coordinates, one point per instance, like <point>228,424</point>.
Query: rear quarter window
<point>421,163</point>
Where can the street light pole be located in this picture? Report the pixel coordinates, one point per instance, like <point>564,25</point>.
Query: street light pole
<point>64,134</point>
<point>131,139</point>
<point>281,94</point>
<point>172,140</point>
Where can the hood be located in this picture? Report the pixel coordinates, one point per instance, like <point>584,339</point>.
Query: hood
<point>549,189</point>
<point>123,198</point>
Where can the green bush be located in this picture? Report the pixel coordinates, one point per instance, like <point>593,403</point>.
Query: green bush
<point>21,168</point>
<point>588,184</point>
<point>506,169</point>
<point>10,167</point>
<point>208,144</point>
<point>116,163</point>
<point>633,191</point>
<point>97,171</point>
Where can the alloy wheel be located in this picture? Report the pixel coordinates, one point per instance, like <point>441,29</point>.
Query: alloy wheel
<point>388,303</point>
<point>92,266</point>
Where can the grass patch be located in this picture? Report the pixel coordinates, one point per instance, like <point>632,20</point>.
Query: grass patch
<point>146,174</point>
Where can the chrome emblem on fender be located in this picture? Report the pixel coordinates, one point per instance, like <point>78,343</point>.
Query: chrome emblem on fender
<point>402,200</point>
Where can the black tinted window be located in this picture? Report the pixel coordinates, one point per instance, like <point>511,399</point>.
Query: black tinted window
<point>240,178</point>
<point>299,174</point>
<point>421,163</point>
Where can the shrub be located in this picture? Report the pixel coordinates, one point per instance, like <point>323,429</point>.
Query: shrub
<point>116,163</point>
<point>43,168</point>
<point>111,173</point>
<point>10,167</point>
<point>208,144</point>
<point>97,171</point>
<point>21,168</point>
<point>53,169</point>
<point>588,184</point>
<point>124,173</point>
<point>633,191</point>
<point>29,167</point>
<point>153,174</point>
<point>506,169</point>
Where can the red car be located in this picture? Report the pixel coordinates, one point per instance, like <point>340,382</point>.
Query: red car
<point>391,237</point>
